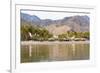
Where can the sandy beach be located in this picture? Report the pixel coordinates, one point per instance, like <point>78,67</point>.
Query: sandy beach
<point>52,42</point>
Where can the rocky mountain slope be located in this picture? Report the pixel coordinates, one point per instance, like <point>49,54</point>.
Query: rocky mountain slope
<point>72,23</point>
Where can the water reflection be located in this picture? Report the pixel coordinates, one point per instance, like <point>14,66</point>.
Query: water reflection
<point>73,48</point>
<point>30,50</point>
<point>54,52</point>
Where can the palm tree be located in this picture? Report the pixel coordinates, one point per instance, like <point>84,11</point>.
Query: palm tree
<point>30,35</point>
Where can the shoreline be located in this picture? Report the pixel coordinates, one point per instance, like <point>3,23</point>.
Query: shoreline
<point>53,42</point>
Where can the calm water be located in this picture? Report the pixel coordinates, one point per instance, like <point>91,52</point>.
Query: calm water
<point>54,52</point>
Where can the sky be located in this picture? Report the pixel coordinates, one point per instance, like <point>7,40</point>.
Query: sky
<point>51,15</point>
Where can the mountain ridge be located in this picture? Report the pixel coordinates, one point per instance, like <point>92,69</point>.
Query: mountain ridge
<point>73,23</point>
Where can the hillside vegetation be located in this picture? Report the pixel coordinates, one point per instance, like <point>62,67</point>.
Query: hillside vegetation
<point>66,29</point>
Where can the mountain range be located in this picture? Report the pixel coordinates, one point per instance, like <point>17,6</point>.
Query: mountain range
<point>73,23</point>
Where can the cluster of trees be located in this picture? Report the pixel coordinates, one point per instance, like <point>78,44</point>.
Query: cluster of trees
<point>30,32</point>
<point>74,35</point>
<point>37,33</point>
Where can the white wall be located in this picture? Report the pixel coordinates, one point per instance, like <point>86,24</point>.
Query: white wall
<point>5,35</point>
